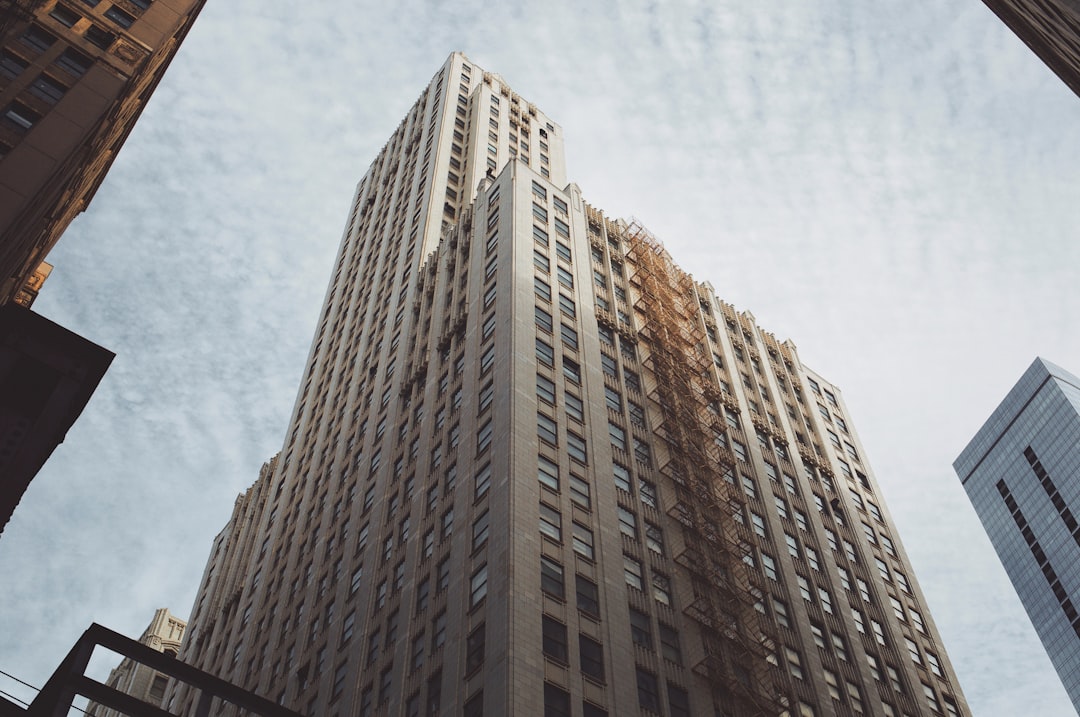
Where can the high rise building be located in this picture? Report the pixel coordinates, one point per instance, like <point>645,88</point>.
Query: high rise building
<point>1051,28</point>
<point>74,77</point>
<point>165,633</point>
<point>1020,472</point>
<point>534,467</point>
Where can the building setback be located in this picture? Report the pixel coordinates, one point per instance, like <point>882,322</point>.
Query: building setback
<point>1020,472</point>
<point>534,467</point>
<point>74,78</point>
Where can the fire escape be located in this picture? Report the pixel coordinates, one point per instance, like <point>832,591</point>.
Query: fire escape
<point>715,550</point>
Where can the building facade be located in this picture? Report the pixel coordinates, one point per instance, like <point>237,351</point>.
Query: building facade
<point>1051,28</point>
<point>165,633</point>
<point>74,78</point>
<point>1020,472</point>
<point>534,467</point>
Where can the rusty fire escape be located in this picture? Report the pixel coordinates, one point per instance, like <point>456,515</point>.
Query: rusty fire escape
<point>715,549</point>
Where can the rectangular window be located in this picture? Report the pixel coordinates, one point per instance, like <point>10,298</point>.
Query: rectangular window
<point>582,539</point>
<point>541,288</point>
<point>641,629</point>
<point>588,596</point>
<point>550,522</point>
<point>545,354</point>
<point>632,572</point>
<point>548,473</point>
<point>591,656</point>
<point>551,578</point>
<point>648,690</point>
<point>121,18</point>
<point>547,429</point>
<point>565,277</point>
<point>478,586</point>
<point>556,701</point>
<point>575,409</point>
<point>554,640</point>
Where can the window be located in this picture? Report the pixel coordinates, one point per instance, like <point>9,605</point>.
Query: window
<point>572,371</point>
<point>591,655</point>
<point>582,539</point>
<point>647,491</point>
<point>575,447</point>
<point>482,481</point>
<point>65,16</point>
<point>542,289</point>
<point>100,37</point>
<point>641,629</point>
<point>548,473</point>
<point>11,65</point>
<point>545,389</point>
<point>632,572</point>
<point>780,610</point>
<point>478,586</point>
<point>661,588</point>
<point>550,522</point>
<point>547,429</point>
<point>579,492</point>
<point>654,538</point>
<point>768,565</point>
<point>567,306</point>
<point>121,18</point>
<point>543,319</point>
<point>480,531</point>
<point>622,478</point>
<point>648,690</point>
<point>794,662</point>
<point>588,596</point>
<point>565,277</point>
<point>554,640</point>
<point>556,701</point>
<point>669,644</point>
<point>474,649</point>
<point>575,409</point>
<point>37,38</point>
<point>20,116</point>
<point>627,523</point>
<point>569,336</point>
<point>551,578</point>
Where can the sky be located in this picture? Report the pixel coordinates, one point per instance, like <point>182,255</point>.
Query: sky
<point>891,185</point>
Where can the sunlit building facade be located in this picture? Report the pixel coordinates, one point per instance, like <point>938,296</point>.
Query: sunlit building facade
<point>535,468</point>
<point>74,77</point>
<point>1020,472</point>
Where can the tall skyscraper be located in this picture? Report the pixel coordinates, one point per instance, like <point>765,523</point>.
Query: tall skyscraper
<point>74,78</point>
<point>1021,473</point>
<point>1051,28</point>
<point>535,468</point>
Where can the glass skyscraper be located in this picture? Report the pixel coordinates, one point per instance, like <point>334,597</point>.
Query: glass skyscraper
<point>1022,473</point>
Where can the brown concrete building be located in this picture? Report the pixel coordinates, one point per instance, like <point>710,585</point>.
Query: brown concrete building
<point>1051,28</point>
<point>74,77</point>
<point>535,468</point>
<point>164,634</point>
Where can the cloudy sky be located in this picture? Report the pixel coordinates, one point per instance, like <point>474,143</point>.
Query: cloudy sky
<point>890,184</point>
